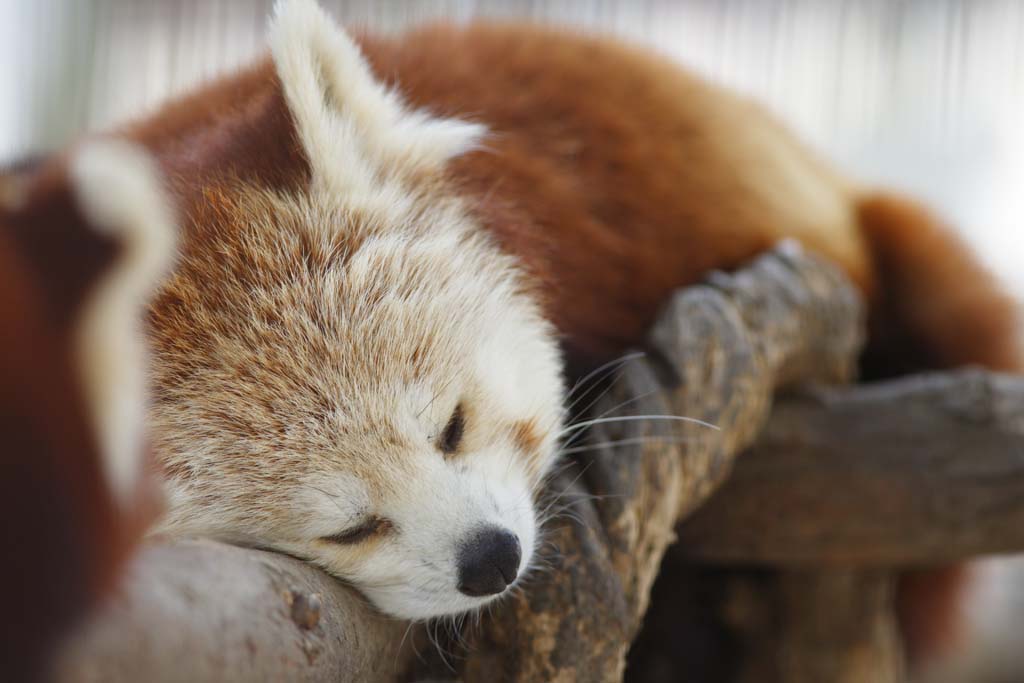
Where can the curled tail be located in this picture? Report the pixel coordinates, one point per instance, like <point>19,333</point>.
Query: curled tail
<point>934,306</point>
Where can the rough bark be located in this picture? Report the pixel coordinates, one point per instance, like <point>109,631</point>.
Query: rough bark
<point>717,354</point>
<point>918,471</point>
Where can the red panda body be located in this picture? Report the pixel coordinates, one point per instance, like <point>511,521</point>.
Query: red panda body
<point>617,177</point>
<point>614,177</point>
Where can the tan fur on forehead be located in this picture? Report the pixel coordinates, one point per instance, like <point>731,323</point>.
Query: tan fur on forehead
<point>321,320</point>
<point>316,336</point>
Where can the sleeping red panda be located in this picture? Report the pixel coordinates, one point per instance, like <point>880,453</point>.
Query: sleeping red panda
<point>395,250</point>
<point>81,245</point>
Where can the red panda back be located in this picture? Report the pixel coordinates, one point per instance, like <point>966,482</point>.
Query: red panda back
<point>617,177</point>
<point>614,175</point>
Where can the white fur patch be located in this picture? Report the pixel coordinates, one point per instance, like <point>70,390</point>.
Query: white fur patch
<point>118,189</point>
<point>354,130</point>
<point>328,504</point>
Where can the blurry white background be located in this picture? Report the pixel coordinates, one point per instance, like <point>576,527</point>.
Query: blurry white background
<point>926,95</point>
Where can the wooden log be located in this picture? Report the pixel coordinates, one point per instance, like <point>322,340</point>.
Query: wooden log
<point>205,611</point>
<point>209,612</point>
<point>919,471</point>
<point>716,355</point>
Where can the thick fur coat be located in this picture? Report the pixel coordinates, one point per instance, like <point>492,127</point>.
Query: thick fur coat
<point>386,239</point>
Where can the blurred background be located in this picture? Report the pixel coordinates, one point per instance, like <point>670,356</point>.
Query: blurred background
<point>925,95</point>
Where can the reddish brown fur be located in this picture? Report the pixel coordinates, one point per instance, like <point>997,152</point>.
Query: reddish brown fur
<point>65,255</point>
<point>600,175</point>
<point>937,307</point>
<point>237,128</point>
<point>526,436</point>
<point>614,177</point>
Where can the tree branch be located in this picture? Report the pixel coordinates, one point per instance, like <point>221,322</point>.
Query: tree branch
<point>205,611</point>
<point>716,354</point>
<point>918,471</point>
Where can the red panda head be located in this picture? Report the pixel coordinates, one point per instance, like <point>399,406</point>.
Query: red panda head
<point>351,371</point>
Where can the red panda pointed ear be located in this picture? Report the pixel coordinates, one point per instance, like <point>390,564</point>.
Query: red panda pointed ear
<point>352,127</point>
<point>119,191</point>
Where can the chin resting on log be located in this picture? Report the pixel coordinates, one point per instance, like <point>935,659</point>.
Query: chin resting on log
<point>832,460</point>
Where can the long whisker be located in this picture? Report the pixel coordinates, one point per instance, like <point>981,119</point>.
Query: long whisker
<point>436,641</point>
<point>568,486</point>
<point>624,442</point>
<point>620,406</point>
<point>604,392</point>
<point>556,471</point>
<point>629,401</point>
<point>401,643</point>
<point>617,361</point>
<point>636,418</point>
<point>607,368</point>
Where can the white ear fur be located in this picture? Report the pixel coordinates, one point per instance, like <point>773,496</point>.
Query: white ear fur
<point>351,126</point>
<point>118,190</point>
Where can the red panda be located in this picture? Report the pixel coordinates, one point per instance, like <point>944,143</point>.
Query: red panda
<point>81,245</point>
<point>395,250</point>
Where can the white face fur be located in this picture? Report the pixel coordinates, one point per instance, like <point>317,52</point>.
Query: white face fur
<point>389,413</point>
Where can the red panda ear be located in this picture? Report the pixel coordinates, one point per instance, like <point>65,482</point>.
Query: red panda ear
<point>119,192</point>
<point>352,127</point>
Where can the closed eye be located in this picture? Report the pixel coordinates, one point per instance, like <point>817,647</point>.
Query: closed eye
<point>451,437</point>
<point>375,526</point>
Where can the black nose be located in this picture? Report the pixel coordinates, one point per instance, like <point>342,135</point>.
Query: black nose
<point>488,561</point>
